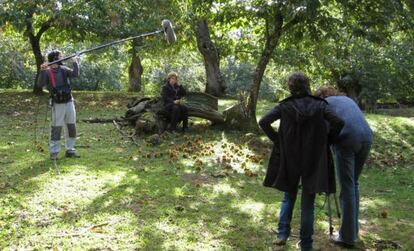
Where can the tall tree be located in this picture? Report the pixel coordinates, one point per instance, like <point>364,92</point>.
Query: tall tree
<point>351,48</point>
<point>95,20</point>
<point>33,19</point>
<point>215,82</point>
<point>268,24</point>
<point>196,18</point>
<point>135,71</point>
<point>274,19</point>
<point>136,17</point>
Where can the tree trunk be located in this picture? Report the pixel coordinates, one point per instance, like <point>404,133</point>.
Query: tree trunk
<point>148,114</point>
<point>135,71</point>
<point>349,84</point>
<point>34,40</point>
<point>215,83</point>
<point>35,43</point>
<point>272,40</point>
<point>410,4</point>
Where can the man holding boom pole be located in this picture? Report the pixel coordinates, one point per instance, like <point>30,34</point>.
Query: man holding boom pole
<point>56,79</point>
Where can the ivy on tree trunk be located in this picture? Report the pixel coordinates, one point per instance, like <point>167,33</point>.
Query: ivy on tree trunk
<point>135,71</point>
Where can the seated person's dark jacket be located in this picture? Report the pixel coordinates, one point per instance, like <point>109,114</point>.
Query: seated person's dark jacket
<point>169,94</point>
<point>300,150</point>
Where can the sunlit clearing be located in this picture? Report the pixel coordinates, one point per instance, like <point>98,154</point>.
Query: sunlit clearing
<point>224,189</point>
<point>374,124</point>
<point>178,192</point>
<point>70,189</point>
<point>324,224</point>
<point>166,228</point>
<point>4,147</point>
<point>225,221</point>
<point>366,203</point>
<point>253,208</point>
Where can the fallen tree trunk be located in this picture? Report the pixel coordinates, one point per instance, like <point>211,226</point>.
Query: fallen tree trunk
<point>148,115</point>
<point>102,120</point>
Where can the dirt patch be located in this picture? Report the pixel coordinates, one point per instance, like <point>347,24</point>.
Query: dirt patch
<point>198,180</point>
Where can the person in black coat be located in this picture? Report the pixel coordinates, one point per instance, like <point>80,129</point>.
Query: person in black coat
<point>300,154</point>
<point>172,94</point>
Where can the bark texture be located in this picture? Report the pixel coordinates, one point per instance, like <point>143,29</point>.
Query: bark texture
<point>147,115</point>
<point>215,82</point>
<point>135,72</point>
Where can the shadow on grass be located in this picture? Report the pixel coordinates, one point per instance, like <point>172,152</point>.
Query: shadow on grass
<point>402,112</point>
<point>167,207</point>
<point>22,182</point>
<point>179,208</point>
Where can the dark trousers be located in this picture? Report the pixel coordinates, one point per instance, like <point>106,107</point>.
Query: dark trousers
<point>177,113</point>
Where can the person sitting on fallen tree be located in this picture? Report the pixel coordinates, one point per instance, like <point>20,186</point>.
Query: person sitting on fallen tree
<point>172,95</point>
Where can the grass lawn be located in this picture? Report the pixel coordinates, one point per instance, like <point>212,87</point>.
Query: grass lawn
<point>201,191</point>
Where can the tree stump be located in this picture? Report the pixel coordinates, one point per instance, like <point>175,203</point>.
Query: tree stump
<point>147,115</point>
<point>235,116</point>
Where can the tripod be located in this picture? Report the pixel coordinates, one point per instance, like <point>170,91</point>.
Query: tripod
<point>328,198</point>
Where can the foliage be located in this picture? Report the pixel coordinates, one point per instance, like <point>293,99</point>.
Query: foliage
<point>382,72</point>
<point>185,63</point>
<point>238,78</point>
<point>399,57</point>
<point>336,41</point>
<point>99,74</point>
<point>15,70</point>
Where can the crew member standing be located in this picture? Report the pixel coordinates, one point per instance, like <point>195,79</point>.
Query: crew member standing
<point>56,79</point>
<point>299,154</point>
<point>350,151</point>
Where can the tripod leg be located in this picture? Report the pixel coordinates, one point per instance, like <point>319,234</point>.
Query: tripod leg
<point>338,212</point>
<point>56,167</point>
<point>35,122</point>
<point>330,215</point>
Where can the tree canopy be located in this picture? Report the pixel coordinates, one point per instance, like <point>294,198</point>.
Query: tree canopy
<point>363,47</point>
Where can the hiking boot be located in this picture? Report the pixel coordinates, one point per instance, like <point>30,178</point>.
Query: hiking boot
<point>54,156</point>
<point>185,130</point>
<point>71,154</point>
<point>337,241</point>
<point>298,246</point>
<point>173,132</point>
<point>281,241</point>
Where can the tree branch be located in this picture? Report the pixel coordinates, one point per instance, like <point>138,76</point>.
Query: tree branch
<point>295,20</point>
<point>45,26</point>
<point>29,24</point>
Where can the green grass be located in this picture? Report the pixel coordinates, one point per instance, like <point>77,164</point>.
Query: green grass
<point>122,197</point>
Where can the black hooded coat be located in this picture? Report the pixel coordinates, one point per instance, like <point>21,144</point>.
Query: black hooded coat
<point>171,93</point>
<point>300,150</point>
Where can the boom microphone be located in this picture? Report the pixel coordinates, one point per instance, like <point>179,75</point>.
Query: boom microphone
<point>166,28</point>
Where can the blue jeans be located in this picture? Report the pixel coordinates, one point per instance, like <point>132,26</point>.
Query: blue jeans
<point>349,161</point>
<point>306,218</point>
